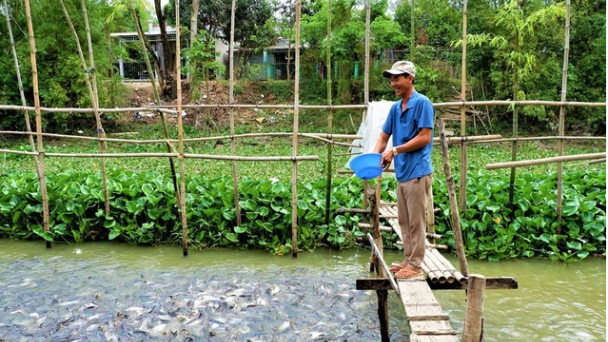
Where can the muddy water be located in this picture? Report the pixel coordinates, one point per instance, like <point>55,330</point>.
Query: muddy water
<point>117,292</point>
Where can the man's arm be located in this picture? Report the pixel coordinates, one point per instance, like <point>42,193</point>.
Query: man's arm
<point>423,138</point>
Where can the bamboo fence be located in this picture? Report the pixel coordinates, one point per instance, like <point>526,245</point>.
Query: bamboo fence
<point>38,152</point>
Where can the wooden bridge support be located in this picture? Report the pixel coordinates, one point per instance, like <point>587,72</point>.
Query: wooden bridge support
<point>473,322</point>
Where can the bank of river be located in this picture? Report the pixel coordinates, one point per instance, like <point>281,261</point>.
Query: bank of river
<point>116,292</point>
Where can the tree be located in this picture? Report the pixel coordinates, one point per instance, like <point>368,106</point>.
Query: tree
<point>252,34</point>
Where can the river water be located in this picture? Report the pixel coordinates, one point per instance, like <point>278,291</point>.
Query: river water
<point>116,292</point>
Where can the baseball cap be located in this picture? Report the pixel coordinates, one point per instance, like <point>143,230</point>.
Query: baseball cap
<point>400,68</point>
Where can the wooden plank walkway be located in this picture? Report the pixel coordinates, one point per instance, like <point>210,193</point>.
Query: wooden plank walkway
<point>427,321</point>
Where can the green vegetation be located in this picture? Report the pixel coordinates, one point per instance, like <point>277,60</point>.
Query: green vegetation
<point>144,211</point>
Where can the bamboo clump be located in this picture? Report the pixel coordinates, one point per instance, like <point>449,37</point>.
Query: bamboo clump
<point>28,125</point>
<point>93,94</point>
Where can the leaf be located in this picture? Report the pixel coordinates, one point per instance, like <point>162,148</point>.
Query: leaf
<point>114,233</point>
<point>528,254</point>
<point>233,238</point>
<point>574,245</point>
<point>570,207</point>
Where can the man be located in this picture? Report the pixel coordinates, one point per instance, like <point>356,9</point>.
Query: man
<point>410,122</point>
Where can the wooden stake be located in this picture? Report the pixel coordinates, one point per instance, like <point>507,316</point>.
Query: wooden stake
<point>463,119</point>
<point>562,120</point>
<point>296,115</point>
<point>453,205</point>
<point>329,118</point>
<point>180,127</point>
<point>232,129</point>
<point>473,322</point>
<point>383,315</point>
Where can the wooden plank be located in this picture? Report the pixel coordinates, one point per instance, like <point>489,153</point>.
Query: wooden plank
<point>419,301</point>
<point>442,317</point>
<point>430,338</point>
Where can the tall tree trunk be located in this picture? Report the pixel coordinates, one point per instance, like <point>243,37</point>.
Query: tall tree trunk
<point>193,27</point>
<point>169,83</point>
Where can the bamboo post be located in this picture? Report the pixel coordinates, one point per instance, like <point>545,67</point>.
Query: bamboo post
<point>412,30</point>
<point>330,117</point>
<point>562,120</point>
<point>515,127</point>
<point>463,117</point>
<point>235,185</point>
<point>95,101</point>
<point>473,322</point>
<point>366,80</point>
<point>464,268</point>
<point>28,125</point>
<point>180,130</point>
<point>41,175</point>
<point>157,98</point>
<point>296,113</point>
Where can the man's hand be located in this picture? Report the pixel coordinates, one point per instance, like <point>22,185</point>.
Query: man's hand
<point>387,158</point>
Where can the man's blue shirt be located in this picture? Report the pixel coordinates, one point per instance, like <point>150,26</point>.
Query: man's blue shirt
<point>404,126</point>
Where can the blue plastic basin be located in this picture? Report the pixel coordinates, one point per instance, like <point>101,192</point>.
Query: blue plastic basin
<point>367,166</point>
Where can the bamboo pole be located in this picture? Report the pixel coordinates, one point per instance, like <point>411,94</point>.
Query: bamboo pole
<point>463,118</point>
<point>412,30</point>
<point>28,125</point>
<point>314,136</point>
<point>322,107</point>
<point>515,126</point>
<point>464,268</point>
<point>366,82</point>
<point>433,271</point>
<point>41,174</point>
<point>92,87</point>
<point>180,133</point>
<point>448,266</point>
<point>95,94</point>
<point>156,97</point>
<point>329,119</point>
<point>231,101</point>
<point>296,113</point>
<point>562,121</point>
<point>443,273</point>
<point>473,322</point>
<point>589,156</point>
<point>165,155</point>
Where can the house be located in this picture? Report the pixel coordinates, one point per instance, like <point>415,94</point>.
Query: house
<point>272,62</point>
<point>130,63</point>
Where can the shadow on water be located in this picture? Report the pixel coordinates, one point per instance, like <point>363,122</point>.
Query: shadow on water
<point>115,292</point>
